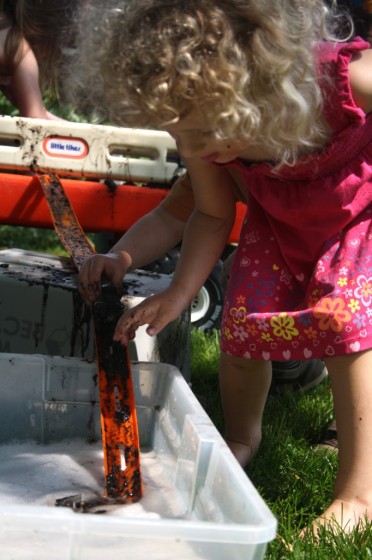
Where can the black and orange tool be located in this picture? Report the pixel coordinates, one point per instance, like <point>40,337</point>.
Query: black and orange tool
<point>118,413</point>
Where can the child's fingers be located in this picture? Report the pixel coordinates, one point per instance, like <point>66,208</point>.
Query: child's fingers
<point>156,326</point>
<point>125,330</point>
<point>125,336</point>
<point>130,321</point>
<point>92,272</point>
<point>146,313</point>
<point>89,282</point>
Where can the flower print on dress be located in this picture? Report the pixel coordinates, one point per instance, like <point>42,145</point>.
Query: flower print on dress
<point>364,290</point>
<point>252,237</point>
<point>251,328</point>
<point>266,288</point>
<point>286,276</point>
<point>327,307</point>
<point>332,314</point>
<point>238,314</point>
<point>305,319</point>
<point>311,333</point>
<point>283,326</point>
<point>354,305</point>
<point>240,332</point>
<point>266,337</point>
<point>227,333</point>
<point>359,320</point>
<point>262,324</point>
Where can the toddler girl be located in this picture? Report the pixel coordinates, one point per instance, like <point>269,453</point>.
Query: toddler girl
<point>265,92</point>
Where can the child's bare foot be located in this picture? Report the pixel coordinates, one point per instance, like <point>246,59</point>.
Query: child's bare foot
<point>341,516</point>
<point>243,452</point>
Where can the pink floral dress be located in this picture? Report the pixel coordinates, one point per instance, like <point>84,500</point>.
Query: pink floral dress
<point>301,282</point>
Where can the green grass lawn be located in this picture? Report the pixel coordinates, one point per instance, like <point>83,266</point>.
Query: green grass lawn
<point>294,479</point>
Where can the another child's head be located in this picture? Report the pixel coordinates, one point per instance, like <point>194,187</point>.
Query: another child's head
<point>248,65</point>
<point>46,25</point>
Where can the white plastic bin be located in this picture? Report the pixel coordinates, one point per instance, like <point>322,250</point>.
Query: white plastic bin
<point>197,501</point>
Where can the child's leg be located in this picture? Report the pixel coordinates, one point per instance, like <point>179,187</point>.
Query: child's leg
<point>351,380</point>
<point>244,386</point>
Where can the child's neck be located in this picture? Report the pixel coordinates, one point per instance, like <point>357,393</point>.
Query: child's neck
<point>256,153</point>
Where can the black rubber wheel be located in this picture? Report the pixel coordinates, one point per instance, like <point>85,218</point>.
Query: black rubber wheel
<point>206,309</point>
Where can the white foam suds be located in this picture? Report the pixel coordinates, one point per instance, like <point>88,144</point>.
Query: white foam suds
<point>35,474</point>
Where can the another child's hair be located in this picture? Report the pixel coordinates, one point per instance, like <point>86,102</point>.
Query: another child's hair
<point>12,52</point>
<point>248,65</point>
<point>47,27</point>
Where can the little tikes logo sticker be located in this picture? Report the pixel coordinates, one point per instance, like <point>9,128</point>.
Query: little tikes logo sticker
<point>64,147</point>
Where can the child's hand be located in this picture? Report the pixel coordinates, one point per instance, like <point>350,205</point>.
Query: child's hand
<point>111,267</point>
<point>156,311</point>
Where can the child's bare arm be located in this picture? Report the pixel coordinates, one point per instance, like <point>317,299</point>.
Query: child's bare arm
<point>25,86</point>
<point>205,237</point>
<point>208,229</point>
<point>148,239</point>
<point>360,75</point>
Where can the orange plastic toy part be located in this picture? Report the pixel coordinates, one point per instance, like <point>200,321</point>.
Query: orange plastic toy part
<point>97,206</point>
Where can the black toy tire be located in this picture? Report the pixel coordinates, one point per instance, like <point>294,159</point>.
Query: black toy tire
<point>206,309</point>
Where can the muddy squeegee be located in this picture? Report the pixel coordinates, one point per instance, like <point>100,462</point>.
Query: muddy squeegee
<point>118,413</point>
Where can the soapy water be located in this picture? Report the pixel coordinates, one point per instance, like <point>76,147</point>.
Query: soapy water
<point>36,474</point>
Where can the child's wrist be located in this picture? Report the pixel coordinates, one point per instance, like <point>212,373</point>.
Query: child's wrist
<point>122,257</point>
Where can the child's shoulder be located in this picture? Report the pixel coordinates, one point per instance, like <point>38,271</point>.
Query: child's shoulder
<point>360,77</point>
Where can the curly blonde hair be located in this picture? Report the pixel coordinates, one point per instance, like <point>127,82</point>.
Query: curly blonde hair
<point>248,65</point>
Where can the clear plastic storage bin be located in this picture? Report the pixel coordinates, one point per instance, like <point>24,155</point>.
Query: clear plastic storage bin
<point>197,501</point>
